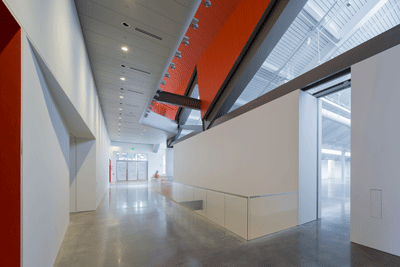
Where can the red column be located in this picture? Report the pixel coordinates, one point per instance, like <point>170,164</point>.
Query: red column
<point>10,138</point>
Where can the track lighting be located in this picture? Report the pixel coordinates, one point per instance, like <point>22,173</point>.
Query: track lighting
<point>207,3</point>
<point>185,40</point>
<point>146,115</point>
<point>178,54</point>
<point>163,82</point>
<point>308,41</point>
<point>348,4</point>
<point>172,66</point>
<point>194,23</point>
<point>167,75</point>
<point>150,108</point>
<point>152,104</point>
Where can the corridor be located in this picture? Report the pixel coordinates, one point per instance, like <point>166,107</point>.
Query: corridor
<point>135,226</point>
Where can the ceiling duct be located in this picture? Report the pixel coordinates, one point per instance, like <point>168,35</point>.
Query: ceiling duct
<point>148,33</point>
<point>139,70</point>
<point>135,92</point>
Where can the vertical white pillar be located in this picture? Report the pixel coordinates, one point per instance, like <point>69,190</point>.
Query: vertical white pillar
<point>343,165</point>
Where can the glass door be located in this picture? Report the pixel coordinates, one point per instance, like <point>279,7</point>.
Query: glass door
<point>142,170</point>
<point>121,171</point>
<point>132,171</point>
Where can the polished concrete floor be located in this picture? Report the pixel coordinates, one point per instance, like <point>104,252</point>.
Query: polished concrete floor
<point>135,226</point>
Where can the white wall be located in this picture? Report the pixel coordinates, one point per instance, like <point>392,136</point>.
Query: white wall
<point>72,175</point>
<point>375,149</point>
<point>169,152</point>
<point>256,153</point>
<point>308,149</point>
<point>54,30</point>
<point>86,174</point>
<point>45,173</point>
<point>155,160</point>
<point>270,150</point>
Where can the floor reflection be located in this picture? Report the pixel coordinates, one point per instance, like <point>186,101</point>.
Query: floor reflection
<point>135,226</point>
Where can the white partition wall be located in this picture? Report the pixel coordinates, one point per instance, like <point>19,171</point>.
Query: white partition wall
<point>271,150</point>
<point>375,147</point>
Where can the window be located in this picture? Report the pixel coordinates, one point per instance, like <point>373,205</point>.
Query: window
<point>321,31</point>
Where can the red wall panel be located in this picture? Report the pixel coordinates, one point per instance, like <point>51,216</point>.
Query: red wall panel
<point>218,59</point>
<point>10,138</point>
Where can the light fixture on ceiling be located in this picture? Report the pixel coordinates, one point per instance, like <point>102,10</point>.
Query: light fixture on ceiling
<point>152,105</point>
<point>126,24</point>
<point>308,41</point>
<point>146,115</point>
<point>185,40</point>
<point>163,82</point>
<point>122,79</point>
<point>119,117</point>
<point>172,66</point>
<point>124,48</point>
<point>348,4</point>
<point>120,109</point>
<point>207,3</point>
<point>178,54</point>
<point>150,108</point>
<point>167,75</point>
<point>195,23</point>
<point>121,96</point>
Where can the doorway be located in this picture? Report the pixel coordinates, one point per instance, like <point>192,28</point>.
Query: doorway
<point>334,156</point>
<point>131,170</point>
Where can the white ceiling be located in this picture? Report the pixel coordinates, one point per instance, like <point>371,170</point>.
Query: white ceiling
<point>104,33</point>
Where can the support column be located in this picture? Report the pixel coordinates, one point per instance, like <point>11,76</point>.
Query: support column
<point>343,165</point>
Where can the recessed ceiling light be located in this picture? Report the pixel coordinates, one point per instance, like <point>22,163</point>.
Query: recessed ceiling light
<point>120,109</point>
<point>122,79</point>
<point>121,96</point>
<point>124,48</point>
<point>119,117</point>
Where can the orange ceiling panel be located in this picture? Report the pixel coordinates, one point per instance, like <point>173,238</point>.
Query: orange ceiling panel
<point>217,61</point>
<point>211,21</point>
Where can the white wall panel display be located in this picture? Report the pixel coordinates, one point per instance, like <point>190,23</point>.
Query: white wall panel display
<point>236,215</point>
<point>272,214</point>
<point>216,207</point>
<point>375,183</point>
